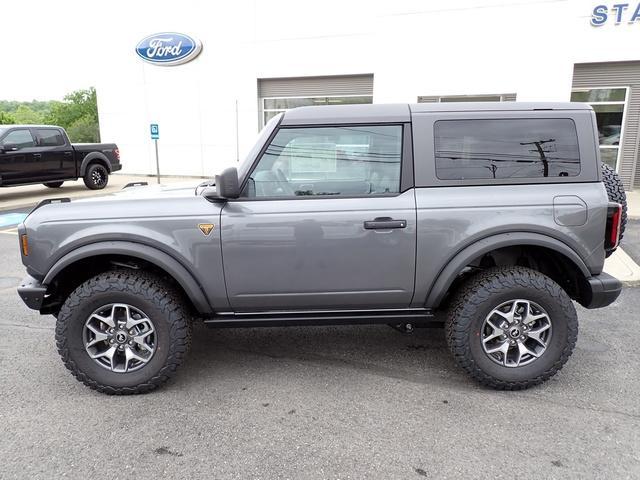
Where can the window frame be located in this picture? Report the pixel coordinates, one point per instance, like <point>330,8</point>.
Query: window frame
<point>38,137</point>
<point>625,109</point>
<point>17,129</point>
<point>424,145</point>
<point>503,179</point>
<point>406,163</point>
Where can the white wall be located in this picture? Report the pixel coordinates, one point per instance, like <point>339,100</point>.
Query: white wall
<point>412,47</point>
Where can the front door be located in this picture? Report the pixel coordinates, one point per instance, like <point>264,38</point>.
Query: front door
<point>17,158</point>
<point>323,223</point>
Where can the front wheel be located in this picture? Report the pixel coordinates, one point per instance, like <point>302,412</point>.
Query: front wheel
<point>511,328</point>
<point>123,332</point>
<point>96,176</point>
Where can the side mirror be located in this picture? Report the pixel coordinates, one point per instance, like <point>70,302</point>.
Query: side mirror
<point>9,147</point>
<point>227,184</point>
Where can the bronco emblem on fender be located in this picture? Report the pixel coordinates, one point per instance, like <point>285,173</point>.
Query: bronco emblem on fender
<point>205,228</point>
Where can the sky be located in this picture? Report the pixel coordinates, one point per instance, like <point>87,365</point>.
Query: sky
<point>50,55</point>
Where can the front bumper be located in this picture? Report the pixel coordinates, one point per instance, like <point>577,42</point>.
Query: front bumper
<point>600,291</point>
<point>32,292</point>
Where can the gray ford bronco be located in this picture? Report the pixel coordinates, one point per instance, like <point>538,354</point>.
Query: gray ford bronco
<point>489,217</point>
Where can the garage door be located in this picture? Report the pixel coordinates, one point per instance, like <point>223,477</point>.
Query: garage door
<point>279,94</point>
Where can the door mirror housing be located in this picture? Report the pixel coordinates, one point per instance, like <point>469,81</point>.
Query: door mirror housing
<point>227,185</point>
<point>9,147</point>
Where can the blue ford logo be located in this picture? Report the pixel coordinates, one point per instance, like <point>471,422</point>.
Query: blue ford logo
<point>168,48</point>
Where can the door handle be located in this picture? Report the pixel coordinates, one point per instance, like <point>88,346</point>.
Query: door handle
<point>382,223</point>
<point>67,154</point>
<point>37,155</point>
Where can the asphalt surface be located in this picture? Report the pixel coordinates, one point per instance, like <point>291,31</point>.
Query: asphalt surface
<point>319,402</point>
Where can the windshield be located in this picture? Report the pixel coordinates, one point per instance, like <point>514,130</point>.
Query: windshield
<point>263,136</point>
<point>2,130</point>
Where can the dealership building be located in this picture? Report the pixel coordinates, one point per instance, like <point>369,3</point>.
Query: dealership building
<point>252,60</point>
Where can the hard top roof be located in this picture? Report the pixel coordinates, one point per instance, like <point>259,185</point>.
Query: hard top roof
<point>394,112</point>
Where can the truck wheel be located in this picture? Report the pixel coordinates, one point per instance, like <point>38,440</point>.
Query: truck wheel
<point>511,328</point>
<point>123,332</point>
<point>53,184</point>
<point>96,176</point>
<point>616,193</point>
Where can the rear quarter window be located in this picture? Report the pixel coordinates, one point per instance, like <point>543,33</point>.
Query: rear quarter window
<point>506,148</point>
<point>49,137</point>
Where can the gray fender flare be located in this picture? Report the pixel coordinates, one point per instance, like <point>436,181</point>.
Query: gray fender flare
<point>92,157</point>
<point>449,273</point>
<point>137,250</point>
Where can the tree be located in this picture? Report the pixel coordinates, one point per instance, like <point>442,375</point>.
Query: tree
<point>24,115</point>
<point>78,114</point>
<point>7,118</point>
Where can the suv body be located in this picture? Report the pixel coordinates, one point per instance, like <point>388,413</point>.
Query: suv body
<point>358,214</point>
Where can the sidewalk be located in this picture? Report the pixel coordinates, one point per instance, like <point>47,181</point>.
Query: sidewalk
<point>621,265</point>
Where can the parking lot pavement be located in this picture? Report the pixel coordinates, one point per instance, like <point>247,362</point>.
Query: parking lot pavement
<point>25,197</point>
<point>319,402</point>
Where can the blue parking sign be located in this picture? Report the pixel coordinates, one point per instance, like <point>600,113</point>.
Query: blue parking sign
<point>155,131</point>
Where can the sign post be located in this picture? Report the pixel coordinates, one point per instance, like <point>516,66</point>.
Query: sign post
<point>155,135</point>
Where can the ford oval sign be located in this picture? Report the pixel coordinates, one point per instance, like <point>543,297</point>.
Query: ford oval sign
<point>168,48</point>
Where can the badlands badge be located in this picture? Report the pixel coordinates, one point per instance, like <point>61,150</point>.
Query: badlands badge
<point>205,228</point>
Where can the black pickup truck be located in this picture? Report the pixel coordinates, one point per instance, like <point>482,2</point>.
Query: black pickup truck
<point>43,154</point>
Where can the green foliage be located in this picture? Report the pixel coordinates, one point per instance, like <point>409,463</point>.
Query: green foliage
<point>77,113</point>
<point>6,118</point>
<point>84,130</point>
<point>26,116</point>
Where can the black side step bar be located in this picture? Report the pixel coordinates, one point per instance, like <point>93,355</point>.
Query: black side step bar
<point>315,317</point>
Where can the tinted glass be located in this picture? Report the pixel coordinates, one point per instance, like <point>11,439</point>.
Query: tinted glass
<point>50,137</point>
<point>22,138</point>
<point>515,148</point>
<point>350,161</point>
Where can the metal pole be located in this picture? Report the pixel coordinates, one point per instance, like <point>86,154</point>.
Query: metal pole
<point>157,161</point>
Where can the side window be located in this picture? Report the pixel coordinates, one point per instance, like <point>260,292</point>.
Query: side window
<point>499,149</point>
<point>50,137</point>
<point>21,138</point>
<point>348,160</point>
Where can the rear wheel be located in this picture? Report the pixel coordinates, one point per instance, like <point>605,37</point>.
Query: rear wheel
<point>511,328</point>
<point>96,176</point>
<point>53,184</point>
<point>123,332</point>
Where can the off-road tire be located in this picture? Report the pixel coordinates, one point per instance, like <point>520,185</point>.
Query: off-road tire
<point>484,292</point>
<point>53,184</point>
<point>616,193</point>
<point>142,290</point>
<point>96,177</point>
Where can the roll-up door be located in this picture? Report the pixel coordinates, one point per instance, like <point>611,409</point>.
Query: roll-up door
<point>280,94</point>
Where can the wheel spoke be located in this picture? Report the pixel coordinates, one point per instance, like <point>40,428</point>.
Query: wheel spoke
<point>537,332</point>
<point>523,350</point>
<point>108,320</point>
<point>129,355</point>
<point>98,336</point>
